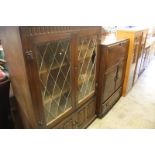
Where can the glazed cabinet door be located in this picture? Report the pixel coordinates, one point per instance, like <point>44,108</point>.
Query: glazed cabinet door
<point>54,65</point>
<point>140,66</point>
<point>141,55</point>
<point>86,53</point>
<point>132,74</point>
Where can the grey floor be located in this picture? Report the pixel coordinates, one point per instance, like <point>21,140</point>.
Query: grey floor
<point>137,109</point>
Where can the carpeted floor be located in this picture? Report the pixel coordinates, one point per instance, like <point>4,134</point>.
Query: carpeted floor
<point>137,109</point>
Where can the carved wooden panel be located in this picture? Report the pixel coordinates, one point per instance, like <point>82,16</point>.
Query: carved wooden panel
<point>91,107</point>
<point>81,117</point>
<point>68,123</point>
<point>38,30</point>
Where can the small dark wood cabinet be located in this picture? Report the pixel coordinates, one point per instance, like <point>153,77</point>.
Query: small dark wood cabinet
<point>113,56</point>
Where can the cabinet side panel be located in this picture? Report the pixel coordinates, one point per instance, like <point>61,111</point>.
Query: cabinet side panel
<point>11,43</point>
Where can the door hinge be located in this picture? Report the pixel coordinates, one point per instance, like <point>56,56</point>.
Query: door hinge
<point>29,55</point>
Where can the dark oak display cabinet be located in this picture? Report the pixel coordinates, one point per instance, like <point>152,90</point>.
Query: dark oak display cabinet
<point>53,74</point>
<point>113,56</point>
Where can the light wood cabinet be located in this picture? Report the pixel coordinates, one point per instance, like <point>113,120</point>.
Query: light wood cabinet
<point>135,54</point>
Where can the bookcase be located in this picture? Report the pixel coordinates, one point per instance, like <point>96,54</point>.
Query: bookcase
<point>53,73</point>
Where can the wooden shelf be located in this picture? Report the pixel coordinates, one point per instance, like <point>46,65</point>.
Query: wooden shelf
<point>58,66</point>
<point>53,68</point>
<point>48,99</point>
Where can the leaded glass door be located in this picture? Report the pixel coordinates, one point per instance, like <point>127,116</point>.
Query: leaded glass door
<point>87,50</point>
<point>54,67</point>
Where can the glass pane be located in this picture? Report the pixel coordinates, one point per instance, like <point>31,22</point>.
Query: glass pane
<point>53,59</point>
<point>86,66</point>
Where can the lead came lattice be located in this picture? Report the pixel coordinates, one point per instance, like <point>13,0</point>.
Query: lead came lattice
<point>53,59</point>
<point>87,65</point>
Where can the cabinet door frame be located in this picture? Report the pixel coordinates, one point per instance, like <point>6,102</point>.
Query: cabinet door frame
<point>32,70</point>
<point>86,33</point>
<point>100,77</point>
<point>139,55</point>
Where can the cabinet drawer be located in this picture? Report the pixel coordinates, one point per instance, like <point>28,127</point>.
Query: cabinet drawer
<point>68,123</point>
<point>115,53</point>
<point>111,101</point>
<point>80,118</point>
<point>86,114</point>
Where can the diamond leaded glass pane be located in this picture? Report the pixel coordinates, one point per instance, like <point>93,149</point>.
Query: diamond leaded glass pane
<point>86,66</point>
<point>53,60</point>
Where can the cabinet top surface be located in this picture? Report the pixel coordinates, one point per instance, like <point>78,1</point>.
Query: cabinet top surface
<point>133,29</point>
<point>111,39</point>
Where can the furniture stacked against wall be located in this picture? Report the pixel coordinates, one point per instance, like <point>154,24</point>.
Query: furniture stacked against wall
<point>113,56</point>
<point>64,77</point>
<point>136,55</point>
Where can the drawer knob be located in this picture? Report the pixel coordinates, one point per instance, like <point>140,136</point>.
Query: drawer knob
<point>75,122</point>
